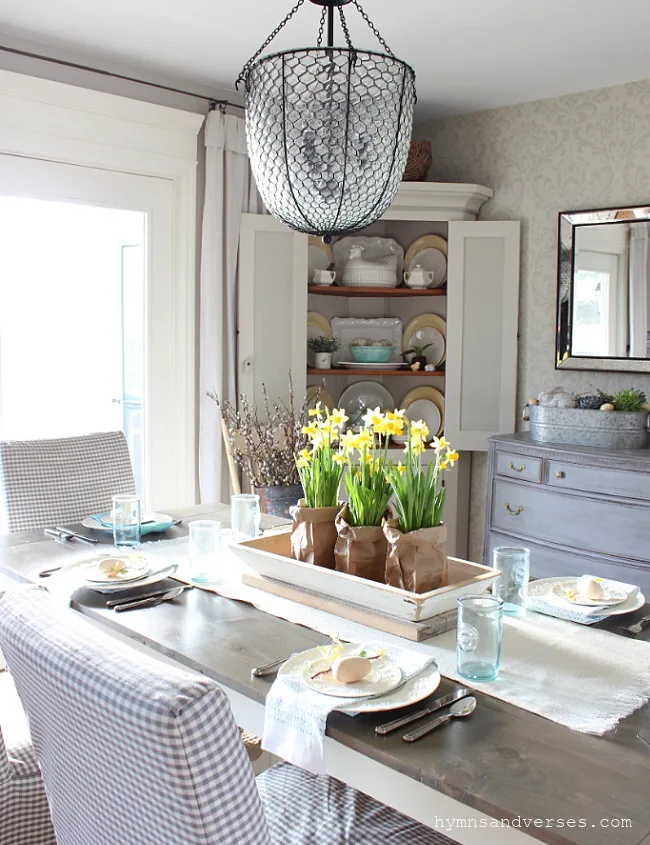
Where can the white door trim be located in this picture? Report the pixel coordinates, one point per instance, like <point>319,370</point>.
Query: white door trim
<point>48,120</point>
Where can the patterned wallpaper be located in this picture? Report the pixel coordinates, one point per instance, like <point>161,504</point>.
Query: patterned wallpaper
<point>588,150</point>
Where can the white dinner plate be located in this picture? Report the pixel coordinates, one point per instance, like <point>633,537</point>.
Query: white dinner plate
<point>364,396</point>
<point>319,256</point>
<point>568,591</point>
<point>430,252</point>
<point>425,409</point>
<point>153,578</point>
<point>542,589</point>
<point>389,365</point>
<point>383,677</point>
<point>414,690</point>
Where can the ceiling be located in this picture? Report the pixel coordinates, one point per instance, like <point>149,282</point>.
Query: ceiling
<point>468,54</point>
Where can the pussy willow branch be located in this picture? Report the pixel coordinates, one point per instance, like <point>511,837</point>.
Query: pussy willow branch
<point>265,449</point>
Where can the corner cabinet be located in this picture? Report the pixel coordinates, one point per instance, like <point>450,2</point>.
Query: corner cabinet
<point>479,303</point>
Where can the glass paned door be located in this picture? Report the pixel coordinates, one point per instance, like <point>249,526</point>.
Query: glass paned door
<point>88,322</point>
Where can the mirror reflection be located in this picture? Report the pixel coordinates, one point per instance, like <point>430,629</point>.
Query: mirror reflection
<point>604,288</point>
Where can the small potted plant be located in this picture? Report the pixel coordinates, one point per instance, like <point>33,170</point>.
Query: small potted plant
<point>361,545</point>
<point>417,539</point>
<point>322,348</point>
<point>321,467</point>
<point>417,350</point>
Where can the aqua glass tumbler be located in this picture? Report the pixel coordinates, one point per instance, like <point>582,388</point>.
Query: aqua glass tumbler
<point>204,549</point>
<point>126,521</point>
<point>245,516</point>
<point>512,584</point>
<point>478,637</point>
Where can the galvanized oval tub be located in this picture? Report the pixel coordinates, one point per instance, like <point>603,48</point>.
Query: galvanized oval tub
<point>578,427</point>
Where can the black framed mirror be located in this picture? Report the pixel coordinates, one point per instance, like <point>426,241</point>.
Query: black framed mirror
<point>603,290</point>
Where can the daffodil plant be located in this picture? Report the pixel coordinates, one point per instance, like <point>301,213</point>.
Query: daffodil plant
<point>321,467</point>
<point>419,494</point>
<point>366,481</point>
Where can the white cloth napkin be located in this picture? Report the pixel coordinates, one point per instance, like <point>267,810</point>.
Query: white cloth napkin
<point>296,715</point>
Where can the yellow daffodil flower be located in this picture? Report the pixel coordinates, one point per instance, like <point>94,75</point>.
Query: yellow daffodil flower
<point>310,430</point>
<point>401,468</point>
<point>452,457</point>
<point>305,455</point>
<point>349,440</point>
<point>373,419</point>
<point>338,459</point>
<point>420,428</point>
<point>364,439</point>
<point>444,463</point>
<point>316,411</point>
<point>441,443</point>
<point>301,463</point>
<point>338,417</point>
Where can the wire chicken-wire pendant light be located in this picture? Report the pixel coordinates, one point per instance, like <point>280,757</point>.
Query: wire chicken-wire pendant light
<point>328,128</point>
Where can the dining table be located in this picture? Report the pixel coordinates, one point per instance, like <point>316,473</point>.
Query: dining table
<point>503,775</point>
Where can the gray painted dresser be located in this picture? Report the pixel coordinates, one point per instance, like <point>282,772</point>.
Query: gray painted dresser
<point>579,510</point>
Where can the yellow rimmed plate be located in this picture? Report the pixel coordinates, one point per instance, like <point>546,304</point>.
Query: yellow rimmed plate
<point>325,397</point>
<point>435,259</point>
<point>319,256</point>
<point>423,394</point>
<point>317,325</point>
<point>431,326</point>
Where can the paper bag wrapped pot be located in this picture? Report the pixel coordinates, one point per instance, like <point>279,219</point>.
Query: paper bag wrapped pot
<point>360,550</point>
<point>416,561</point>
<point>313,534</point>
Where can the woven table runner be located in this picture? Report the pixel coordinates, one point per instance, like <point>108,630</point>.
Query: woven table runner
<point>585,679</point>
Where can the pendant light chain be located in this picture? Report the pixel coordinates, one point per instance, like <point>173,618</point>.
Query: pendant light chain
<point>242,76</point>
<point>321,28</point>
<point>344,27</point>
<point>374,29</point>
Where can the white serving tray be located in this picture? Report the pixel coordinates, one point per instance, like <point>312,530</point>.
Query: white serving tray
<point>270,557</point>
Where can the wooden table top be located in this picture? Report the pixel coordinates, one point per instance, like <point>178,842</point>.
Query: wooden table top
<point>503,761</point>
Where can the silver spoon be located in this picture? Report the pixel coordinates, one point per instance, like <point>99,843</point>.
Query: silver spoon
<point>456,711</point>
<point>153,601</point>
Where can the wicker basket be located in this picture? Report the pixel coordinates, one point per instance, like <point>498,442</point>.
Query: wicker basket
<point>418,163</point>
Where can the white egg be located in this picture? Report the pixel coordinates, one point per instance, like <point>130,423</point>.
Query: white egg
<point>590,587</point>
<point>349,670</point>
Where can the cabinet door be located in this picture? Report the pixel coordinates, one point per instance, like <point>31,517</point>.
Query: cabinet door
<point>272,328</point>
<point>482,316</point>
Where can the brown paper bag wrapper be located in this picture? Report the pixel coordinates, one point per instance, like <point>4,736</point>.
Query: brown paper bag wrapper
<point>360,551</point>
<point>416,561</point>
<point>313,535</point>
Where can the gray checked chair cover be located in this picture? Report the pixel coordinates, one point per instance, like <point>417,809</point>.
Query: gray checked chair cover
<point>136,752</point>
<point>24,811</point>
<point>52,482</point>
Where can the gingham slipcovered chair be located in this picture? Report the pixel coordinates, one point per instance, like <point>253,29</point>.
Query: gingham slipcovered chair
<point>24,812</point>
<point>53,482</point>
<point>136,752</point>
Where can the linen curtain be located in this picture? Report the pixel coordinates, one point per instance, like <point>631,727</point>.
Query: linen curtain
<point>229,190</point>
<point>638,287</point>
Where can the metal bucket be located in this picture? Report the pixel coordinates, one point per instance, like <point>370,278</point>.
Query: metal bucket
<point>578,427</point>
<point>277,500</point>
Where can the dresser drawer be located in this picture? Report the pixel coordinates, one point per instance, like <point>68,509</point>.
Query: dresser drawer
<point>582,523</point>
<point>613,482</point>
<point>521,467</point>
<point>548,562</point>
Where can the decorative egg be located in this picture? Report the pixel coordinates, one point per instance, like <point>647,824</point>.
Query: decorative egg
<point>533,402</point>
<point>607,407</point>
<point>349,670</point>
<point>646,407</point>
<point>590,587</point>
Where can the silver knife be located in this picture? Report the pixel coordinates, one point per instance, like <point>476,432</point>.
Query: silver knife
<point>438,704</point>
<point>74,536</point>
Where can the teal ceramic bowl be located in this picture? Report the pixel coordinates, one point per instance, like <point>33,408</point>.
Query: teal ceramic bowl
<point>371,354</point>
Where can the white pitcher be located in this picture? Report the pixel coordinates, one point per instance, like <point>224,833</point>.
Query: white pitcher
<point>418,277</point>
<point>324,277</point>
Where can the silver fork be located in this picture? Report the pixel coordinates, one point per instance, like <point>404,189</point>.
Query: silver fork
<point>634,630</point>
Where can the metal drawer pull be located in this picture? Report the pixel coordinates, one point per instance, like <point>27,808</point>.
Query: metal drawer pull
<point>511,512</point>
<point>560,474</point>
<point>517,469</point>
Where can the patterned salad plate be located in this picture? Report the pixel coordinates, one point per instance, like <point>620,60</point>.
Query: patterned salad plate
<point>414,690</point>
